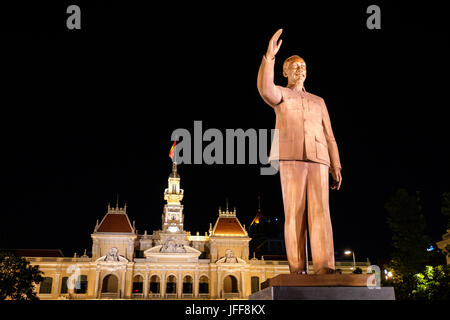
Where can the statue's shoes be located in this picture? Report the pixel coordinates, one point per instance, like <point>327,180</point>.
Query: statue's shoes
<point>326,271</point>
<point>299,272</point>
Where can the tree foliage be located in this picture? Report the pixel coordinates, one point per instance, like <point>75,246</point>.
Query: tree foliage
<point>412,276</point>
<point>433,283</point>
<point>446,207</point>
<point>408,227</point>
<point>17,278</point>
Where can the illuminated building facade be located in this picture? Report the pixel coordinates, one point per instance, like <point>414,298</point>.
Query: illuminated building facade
<point>168,264</point>
<point>444,245</point>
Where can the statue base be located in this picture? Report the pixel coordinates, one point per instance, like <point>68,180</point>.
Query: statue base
<point>322,287</point>
<point>318,280</point>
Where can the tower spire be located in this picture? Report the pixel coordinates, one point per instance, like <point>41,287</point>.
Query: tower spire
<point>259,204</point>
<point>173,210</point>
<point>174,168</point>
<point>259,215</point>
<point>174,173</point>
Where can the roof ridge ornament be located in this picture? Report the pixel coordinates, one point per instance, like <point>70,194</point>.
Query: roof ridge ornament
<point>227,213</point>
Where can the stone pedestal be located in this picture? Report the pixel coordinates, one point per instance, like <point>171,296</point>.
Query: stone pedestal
<point>322,287</point>
<point>324,293</point>
<point>319,280</point>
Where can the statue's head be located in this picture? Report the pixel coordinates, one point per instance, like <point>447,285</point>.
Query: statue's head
<point>229,253</point>
<point>294,68</point>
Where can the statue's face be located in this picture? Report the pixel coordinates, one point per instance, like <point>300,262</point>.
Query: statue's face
<point>296,71</point>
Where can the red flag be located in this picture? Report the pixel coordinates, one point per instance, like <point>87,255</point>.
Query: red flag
<point>172,150</point>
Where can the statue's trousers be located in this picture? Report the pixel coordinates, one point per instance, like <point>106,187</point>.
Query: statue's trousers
<point>305,189</point>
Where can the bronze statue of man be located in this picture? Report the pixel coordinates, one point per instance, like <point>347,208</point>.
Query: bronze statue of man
<point>307,152</point>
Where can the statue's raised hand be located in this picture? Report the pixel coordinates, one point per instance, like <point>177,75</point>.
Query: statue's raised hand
<point>274,45</point>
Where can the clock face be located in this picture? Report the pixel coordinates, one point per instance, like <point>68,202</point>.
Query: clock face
<point>172,228</point>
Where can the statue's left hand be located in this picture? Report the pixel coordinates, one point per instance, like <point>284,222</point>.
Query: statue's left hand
<point>337,178</point>
<point>274,45</point>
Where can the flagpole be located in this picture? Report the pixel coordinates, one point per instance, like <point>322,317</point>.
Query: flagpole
<point>174,150</point>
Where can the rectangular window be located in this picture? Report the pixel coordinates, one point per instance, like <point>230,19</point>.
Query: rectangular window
<point>46,285</point>
<point>171,287</point>
<point>203,287</point>
<point>187,287</point>
<point>138,287</point>
<point>64,284</point>
<point>255,284</point>
<point>154,287</point>
<point>81,285</point>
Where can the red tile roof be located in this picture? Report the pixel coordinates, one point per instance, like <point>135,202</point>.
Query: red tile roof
<point>228,226</point>
<point>115,222</point>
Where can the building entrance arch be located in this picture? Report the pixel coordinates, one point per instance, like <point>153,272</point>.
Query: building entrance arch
<point>110,284</point>
<point>230,284</point>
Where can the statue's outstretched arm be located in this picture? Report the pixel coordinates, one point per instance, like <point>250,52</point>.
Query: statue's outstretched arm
<point>266,87</point>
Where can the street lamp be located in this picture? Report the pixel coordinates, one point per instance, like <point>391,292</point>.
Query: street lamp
<point>388,274</point>
<point>347,252</point>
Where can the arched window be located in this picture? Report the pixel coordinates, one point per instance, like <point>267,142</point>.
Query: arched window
<point>81,284</point>
<point>138,284</point>
<point>255,284</point>
<point>203,286</point>
<point>154,284</point>
<point>187,284</point>
<point>171,286</point>
<point>64,285</point>
<point>46,285</point>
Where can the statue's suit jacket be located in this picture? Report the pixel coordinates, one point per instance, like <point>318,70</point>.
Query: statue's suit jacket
<point>304,127</point>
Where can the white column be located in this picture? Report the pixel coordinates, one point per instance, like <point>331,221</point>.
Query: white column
<point>56,286</point>
<point>97,279</point>
<point>95,254</point>
<point>122,291</point>
<point>213,252</point>
<point>146,284</point>
<point>179,284</point>
<point>130,250</point>
<point>242,284</point>
<point>219,286</point>
<point>163,284</point>
<point>196,284</point>
<point>245,253</point>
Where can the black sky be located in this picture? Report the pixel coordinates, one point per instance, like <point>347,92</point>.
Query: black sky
<point>89,114</point>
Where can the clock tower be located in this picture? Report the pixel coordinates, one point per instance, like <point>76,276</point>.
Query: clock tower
<point>172,217</point>
<point>172,234</point>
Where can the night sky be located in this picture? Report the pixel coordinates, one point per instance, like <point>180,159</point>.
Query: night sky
<point>88,114</point>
